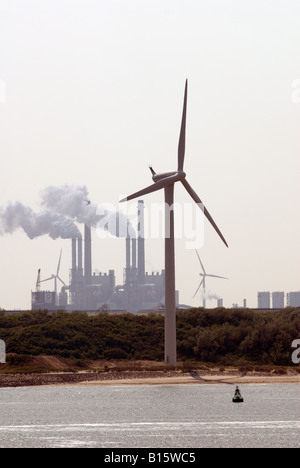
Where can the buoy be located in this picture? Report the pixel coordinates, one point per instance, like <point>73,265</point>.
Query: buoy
<point>237,398</point>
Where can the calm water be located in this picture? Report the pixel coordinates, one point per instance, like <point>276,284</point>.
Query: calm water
<point>183,416</point>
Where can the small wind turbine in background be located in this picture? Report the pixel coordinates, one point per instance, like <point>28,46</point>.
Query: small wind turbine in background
<point>55,278</point>
<point>204,276</point>
<point>167,181</point>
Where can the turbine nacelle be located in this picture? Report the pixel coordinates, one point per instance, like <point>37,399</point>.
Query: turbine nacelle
<point>180,175</point>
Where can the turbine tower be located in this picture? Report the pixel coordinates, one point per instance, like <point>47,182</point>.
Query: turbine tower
<point>167,181</point>
<point>204,275</point>
<point>55,277</point>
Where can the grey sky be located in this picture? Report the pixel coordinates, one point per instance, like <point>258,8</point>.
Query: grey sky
<point>91,92</point>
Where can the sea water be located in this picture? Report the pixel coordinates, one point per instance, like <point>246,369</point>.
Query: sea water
<point>160,416</point>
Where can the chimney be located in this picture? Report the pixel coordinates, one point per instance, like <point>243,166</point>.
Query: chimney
<point>141,243</point>
<point>133,265</point>
<point>127,249</point>
<point>87,254</point>
<point>80,254</point>
<point>74,260</point>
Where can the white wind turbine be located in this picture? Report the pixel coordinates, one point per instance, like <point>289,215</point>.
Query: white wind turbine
<point>55,277</point>
<point>167,181</point>
<point>204,276</point>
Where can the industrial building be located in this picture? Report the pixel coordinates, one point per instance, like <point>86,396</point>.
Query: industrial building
<point>88,291</point>
<point>43,300</point>
<point>278,302</point>
<point>264,300</point>
<point>293,299</point>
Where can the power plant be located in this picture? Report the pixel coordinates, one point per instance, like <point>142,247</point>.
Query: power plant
<point>89,291</point>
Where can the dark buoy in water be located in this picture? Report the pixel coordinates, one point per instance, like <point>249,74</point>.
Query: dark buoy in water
<point>237,398</point>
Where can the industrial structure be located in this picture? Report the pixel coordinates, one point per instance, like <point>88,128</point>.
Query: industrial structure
<point>263,299</point>
<point>88,291</point>
<point>42,299</point>
<point>293,299</point>
<point>278,300</point>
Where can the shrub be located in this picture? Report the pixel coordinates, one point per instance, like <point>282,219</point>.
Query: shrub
<point>115,353</point>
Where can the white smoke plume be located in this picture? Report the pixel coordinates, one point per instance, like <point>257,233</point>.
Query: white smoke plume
<point>209,295</point>
<point>73,201</point>
<point>15,215</point>
<point>62,207</point>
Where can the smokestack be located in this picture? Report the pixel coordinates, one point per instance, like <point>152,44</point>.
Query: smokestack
<point>141,243</point>
<point>133,265</point>
<point>74,262</point>
<point>87,254</point>
<point>80,254</point>
<point>127,249</point>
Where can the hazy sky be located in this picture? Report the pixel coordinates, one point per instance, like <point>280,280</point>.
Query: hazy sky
<point>91,92</point>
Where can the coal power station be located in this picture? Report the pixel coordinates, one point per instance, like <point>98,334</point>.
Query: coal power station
<point>90,291</point>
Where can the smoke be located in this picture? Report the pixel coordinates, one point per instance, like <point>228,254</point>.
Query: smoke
<point>15,215</point>
<point>63,206</point>
<point>73,201</point>
<point>209,295</point>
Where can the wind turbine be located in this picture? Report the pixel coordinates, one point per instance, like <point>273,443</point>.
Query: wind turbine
<point>204,275</point>
<point>55,277</point>
<point>167,181</point>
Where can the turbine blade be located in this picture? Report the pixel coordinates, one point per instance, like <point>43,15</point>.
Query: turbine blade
<point>181,144</point>
<point>61,281</point>
<point>215,276</point>
<point>198,288</point>
<point>48,279</point>
<point>58,266</point>
<point>163,183</point>
<point>207,214</point>
<point>200,262</point>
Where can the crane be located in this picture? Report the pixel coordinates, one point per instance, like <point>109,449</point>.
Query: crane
<point>38,281</point>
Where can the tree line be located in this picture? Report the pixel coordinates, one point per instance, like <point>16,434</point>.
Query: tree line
<point>221,336</point>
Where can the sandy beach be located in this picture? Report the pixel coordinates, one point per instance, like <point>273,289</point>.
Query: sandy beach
<point>181,380</point>
<point>175,377</point>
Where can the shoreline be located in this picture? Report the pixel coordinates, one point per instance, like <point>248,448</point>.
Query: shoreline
<point>173,377</point>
